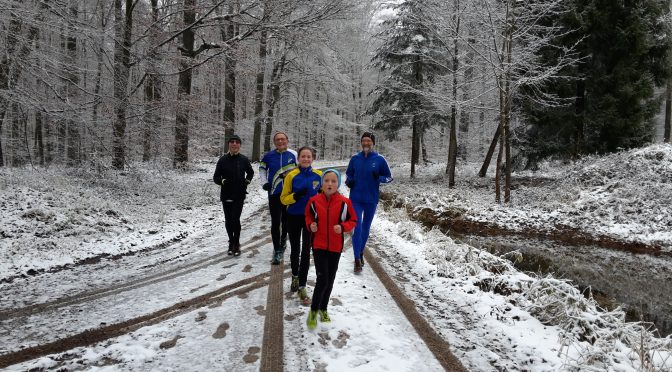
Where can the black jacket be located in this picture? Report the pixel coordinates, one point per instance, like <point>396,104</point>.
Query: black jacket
<point>237,171</point>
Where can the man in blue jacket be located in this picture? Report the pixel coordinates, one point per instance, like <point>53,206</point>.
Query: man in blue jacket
<point>272,170</point>
<point>366,171</point>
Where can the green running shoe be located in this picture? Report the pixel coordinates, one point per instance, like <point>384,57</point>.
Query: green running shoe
<point>312,319</point>
<point>324,317</point>
<point>303,296</point>
<point>295,284</point>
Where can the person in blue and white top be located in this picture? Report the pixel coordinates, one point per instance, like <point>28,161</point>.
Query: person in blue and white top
<point>273,168</point>
<point>366,171</point>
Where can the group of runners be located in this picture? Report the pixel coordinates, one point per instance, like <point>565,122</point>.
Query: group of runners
<point>305,205</point>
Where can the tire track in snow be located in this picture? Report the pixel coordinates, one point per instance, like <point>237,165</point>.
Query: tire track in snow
<point>436,344</point>
<point>115,330</point>
<point>83,297</point>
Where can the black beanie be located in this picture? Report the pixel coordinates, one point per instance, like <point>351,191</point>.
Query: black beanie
<point>235,137</point>
<point>370,135</point>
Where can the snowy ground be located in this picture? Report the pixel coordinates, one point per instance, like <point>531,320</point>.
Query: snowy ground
<point>624,195</point>
<point>166,230</point>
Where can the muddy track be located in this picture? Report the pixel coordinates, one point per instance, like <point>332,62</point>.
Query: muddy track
<point>83,297</point>
<point>436,344</point>
<point>455,223</point>
<point>115,330</point>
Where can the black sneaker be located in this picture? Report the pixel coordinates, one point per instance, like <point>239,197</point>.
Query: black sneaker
<point>230,251</point>
<point>277,258</point>
<point>358,266</point>
<point>236,249</point>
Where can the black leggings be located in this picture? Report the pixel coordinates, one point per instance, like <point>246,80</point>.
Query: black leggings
<point>232,211</point>
<point>299,240</point>
<point>326,265</point>
<point>278,222</point>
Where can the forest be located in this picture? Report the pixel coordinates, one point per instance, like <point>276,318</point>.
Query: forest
<point>114,83</point>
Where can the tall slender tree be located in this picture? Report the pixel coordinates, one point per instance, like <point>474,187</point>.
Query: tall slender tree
<point>408,60</point>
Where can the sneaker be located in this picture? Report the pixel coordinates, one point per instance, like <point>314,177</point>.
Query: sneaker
<point>358,266</point>
<point>324,316</point>
<point>312,319</point>
<point>277,258</point>
<point>295,284</point>
<point>303,296</point>
<point>230,251</point>
<point>361,259</point>
<point>236,249</point>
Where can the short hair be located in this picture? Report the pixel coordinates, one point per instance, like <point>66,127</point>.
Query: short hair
<point>280,132</point>
<point>312,151</point>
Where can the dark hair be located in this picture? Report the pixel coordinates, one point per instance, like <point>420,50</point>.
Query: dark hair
<point>312,151</point>
<point>370,135</point>
<point>280,132</point>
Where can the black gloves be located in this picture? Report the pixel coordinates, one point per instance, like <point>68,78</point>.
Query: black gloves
<point>298,194</point>
<point>376,175</point>
<point>267,186</point>
<point>350,183</point>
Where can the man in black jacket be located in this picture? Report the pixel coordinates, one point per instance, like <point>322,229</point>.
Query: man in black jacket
<point>233,173</point>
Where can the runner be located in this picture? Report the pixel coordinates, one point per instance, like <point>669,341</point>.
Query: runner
<point>328,215</point>
<point>366,171</point>
<point>300,185</point>
<point>233,173</point>
<point>273,168</point>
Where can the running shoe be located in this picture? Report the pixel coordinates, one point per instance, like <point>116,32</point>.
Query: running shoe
<point>312,319</point>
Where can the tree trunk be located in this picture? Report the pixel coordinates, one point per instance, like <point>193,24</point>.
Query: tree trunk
<point>488,156</point>
<point>579,111</point>
<point>2,157</point>
<point>452,143</point>
<point>229,85</point>
<point>181,156</point>
<point>72,80</point>
<point>152,88</point>
<point>414,145</point>
<point>39,142</point>
<point>122,52</point>
<point>465,116</point>
<point>425,156</point>
<point>507,120</point>
<point>273,96</point>
<point>259,98</point>
<point>668,110</point>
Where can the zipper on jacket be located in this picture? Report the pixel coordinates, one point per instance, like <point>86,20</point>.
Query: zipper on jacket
<point>328,240</point>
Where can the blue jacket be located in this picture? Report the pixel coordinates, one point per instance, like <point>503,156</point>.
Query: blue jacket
<point>308,179</point>
<point>274,166</point>
<point>367,173</point>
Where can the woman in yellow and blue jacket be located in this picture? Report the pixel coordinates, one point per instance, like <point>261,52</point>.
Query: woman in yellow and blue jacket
<point>300,184</point>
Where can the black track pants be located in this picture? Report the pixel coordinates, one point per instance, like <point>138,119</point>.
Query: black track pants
<point>326,265</point>
<point>299,240</point>
<point>278,221</point>
<point>232,211</point>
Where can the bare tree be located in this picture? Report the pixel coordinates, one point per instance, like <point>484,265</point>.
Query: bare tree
<point>123,25</point>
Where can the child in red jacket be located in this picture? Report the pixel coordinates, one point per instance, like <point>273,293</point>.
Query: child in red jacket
<point>328,215</point>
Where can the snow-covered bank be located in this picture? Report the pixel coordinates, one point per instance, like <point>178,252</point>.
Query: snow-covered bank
<point>625,196</point>
<point>57,217</point>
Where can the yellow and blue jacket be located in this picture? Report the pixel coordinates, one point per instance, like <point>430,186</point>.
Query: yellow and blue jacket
<point>299,179</point>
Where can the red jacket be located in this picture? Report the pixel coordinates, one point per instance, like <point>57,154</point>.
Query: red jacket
<point>337,210</point>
